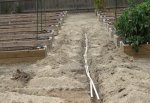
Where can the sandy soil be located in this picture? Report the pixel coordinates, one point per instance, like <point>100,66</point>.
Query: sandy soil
<point>60,77</point>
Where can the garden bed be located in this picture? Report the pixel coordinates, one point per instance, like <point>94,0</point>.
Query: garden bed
<point>144,50</point>
<point>19,37</point>
<point>41,53</point>
<point>134,26</point>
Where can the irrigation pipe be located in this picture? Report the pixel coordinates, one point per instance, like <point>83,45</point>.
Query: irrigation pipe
<point>92,85</point>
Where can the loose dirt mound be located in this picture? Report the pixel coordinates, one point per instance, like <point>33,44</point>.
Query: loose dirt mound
<point>21,98</point>
<point>21,76</point>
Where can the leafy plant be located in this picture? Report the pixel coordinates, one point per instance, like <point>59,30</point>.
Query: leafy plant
<point>131,4</point>
<point>98,4</point>
<point>18,9</point>
<point>134,25</point>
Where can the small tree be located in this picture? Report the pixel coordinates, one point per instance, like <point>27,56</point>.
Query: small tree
<point>98,4</point>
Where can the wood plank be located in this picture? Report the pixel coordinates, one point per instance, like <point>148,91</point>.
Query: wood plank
<point>20,60</point>
<point>8,37</point>
<point>24,43</point>
<point>26,30</point>
<point>144,51</point>
<point>23,53</point>
<point>29,15</point>
<point>50,29</point>
<point>20,20</point>
<point>28,24</point>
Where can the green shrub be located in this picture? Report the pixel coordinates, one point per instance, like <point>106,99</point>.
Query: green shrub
<point>98,4</point>
<point>133,26</point>
<point>18,9</point>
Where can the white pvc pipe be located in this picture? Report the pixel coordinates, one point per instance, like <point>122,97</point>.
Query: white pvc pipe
<point>91,89</point>
<point>92,85</point>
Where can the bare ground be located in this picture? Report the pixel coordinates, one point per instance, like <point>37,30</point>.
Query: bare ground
<point>60,77</point>
<point>120,78</point>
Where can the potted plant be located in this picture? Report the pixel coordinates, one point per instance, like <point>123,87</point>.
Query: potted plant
<point>133,27</point>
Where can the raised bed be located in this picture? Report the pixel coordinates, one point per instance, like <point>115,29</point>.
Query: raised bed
<point>15,45</point>
<point>11,41</point>
<point>17,34</point>
<point>19,38</point>
<point>19,21</point>
<point>32,15</point>
<point>40,53</point>
<point>29,30</point>
<point>27,24</point>
<point>144,50</point>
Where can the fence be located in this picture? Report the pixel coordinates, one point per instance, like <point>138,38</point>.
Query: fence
<point>120,3</point>
<point>30,5</point>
